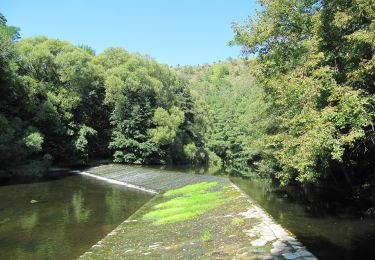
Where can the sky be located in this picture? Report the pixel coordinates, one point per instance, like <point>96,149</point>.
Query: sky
<point>185,32</point>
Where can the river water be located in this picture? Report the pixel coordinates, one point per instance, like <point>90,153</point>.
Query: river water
<point>74,212</point>
<point>71,215</point>
<point>327,232</point>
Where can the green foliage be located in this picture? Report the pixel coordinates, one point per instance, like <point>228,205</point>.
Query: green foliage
<point>6,50</point>
<point>167,125</point>
<point>10,31</point>
<point>61,85</point>
<point>34,141</point>
<point>214,160</point>
<point>316,65</point>
<point>233,110</point>
<point>149,104</point>
<point>64,101</point>
<point>11,142</point>
<point>190,151</point>
<point>301,111</point>
<point>81,144</point>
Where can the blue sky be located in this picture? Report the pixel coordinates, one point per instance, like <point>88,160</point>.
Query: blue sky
<point>185,32</point>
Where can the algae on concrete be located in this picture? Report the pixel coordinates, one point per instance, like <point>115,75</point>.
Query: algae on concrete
<point>185,203</point>
<point>231,228</point>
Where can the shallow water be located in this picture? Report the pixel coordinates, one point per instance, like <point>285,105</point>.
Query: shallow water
<point>71,215</point>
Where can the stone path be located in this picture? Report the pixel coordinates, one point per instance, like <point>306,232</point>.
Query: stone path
<point>239,228</point>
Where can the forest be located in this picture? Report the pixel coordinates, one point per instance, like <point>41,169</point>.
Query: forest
<point>298,107</point>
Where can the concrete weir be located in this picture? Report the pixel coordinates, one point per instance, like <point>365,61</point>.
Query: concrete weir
<point>237,228</point>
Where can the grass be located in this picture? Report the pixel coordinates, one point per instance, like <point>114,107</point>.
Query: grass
<point>186,203</point>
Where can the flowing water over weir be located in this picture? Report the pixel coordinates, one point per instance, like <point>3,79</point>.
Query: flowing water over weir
<point>147,179</point>
<point>237,228</point>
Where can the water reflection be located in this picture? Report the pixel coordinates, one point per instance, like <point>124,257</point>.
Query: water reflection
<point>29,222</point>
<point>114,204</point>
<point>71,215</point>
<point>328,233</point>
<point>80,213</point>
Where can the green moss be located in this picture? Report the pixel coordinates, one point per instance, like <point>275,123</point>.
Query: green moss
<point>206,236</point>
<point>192,201</point>
<point>237,221</point>
<point>200,187</point>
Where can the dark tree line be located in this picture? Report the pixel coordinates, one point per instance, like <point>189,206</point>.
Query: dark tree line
<point>301,111</point>
<point>62,103</point>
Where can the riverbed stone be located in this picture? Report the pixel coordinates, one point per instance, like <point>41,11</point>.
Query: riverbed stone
<point>310,258</point>
<point>294,242</point>
<point>298,247</point>
<point>268,238</point>
<point>259,242</point>
<point>278,230</point>
<point>251,213</point>
<point>290,256</point>
<point>279,251</point>
<point>279,244</point>
<point>304,253</point>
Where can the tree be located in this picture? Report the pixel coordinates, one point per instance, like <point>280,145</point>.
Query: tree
<point>316,65</point>
<point>148,103</point>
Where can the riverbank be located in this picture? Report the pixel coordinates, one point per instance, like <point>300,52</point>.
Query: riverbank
<point>193,216</point>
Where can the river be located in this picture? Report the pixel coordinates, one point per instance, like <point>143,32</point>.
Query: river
<point>71,214</point>
<point>327,232</point>
<point>74,212</point>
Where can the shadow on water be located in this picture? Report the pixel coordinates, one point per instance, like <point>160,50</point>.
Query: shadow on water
<point>328,223</point>
<point>329,228</point>
<point>68,216</point>
<point>360,247</point>
<point>74,212</point>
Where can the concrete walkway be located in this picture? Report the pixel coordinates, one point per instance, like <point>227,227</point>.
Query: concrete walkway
<point>237,228</point>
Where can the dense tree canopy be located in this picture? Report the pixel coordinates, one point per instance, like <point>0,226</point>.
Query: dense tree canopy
<point>63,103</point>
<point>233,109</point>
<point>302,110</point>
<point>316,64</point>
